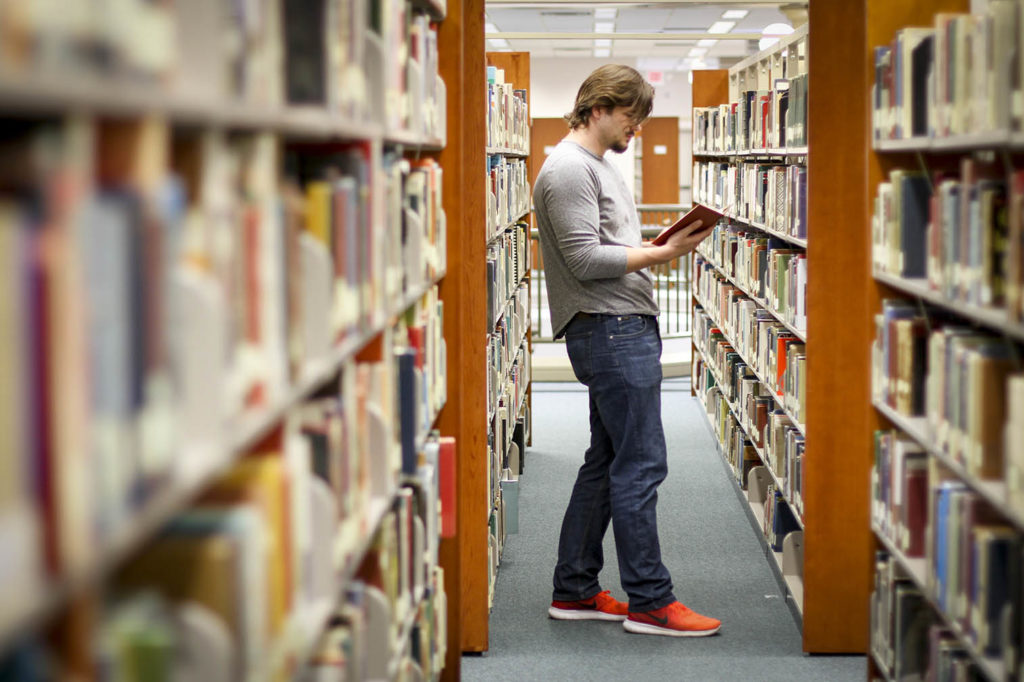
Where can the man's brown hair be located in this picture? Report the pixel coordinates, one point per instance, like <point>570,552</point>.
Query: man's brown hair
<point>609,86</point>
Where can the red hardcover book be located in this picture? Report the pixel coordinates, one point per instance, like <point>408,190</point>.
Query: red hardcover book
<point>417,340</point>
<point>915,506</point>
<point>446,474</point>
<point>708,217</point>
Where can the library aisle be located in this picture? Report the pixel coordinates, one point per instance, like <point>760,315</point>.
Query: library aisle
<point>717,562</point>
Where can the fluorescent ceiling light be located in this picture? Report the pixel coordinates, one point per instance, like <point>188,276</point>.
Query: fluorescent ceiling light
<point>706,43</point>
<point>721,27</point>
<point>603,42</point>
<point>605,13</point>
<point>604,27</point>
<point>490,28</point>
<point>735,13</point>
<point>498,42</point>
<point>698,51</point>
<point>603,53</point>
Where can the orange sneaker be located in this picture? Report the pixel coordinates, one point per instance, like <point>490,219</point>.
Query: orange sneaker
<point>602,606</point>
<point>674,620</point>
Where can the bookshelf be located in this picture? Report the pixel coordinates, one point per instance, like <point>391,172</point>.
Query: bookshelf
<point>227,285</point>
<point>508,287</point>
<point>749,283</point>
<point>830,484</point>
<point>946,508</point>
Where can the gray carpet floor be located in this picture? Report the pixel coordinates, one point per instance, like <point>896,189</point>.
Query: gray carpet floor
<point>717,562</point>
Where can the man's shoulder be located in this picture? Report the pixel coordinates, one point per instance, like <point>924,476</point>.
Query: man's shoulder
<point>566,158</point>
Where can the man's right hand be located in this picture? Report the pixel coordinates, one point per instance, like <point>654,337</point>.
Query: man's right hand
<point>679,244</point>
<point>686,240</point>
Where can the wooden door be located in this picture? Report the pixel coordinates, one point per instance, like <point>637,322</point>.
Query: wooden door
<point>659,161</point>
<point>545,133</point>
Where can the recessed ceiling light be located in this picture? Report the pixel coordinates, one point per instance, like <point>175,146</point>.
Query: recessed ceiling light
<point>706,43</point>
<point>772,33</point>
<point>605,13</point>
<point>735,13</point>
<point>604,27</point>
<point>602,43</point>
<point>698,51</point>
<point>603,53</point>
<point>721,27</point>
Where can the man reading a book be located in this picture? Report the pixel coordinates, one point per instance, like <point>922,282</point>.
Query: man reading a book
<point>601,300</point>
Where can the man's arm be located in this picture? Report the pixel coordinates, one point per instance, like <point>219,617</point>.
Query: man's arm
<point>679,244</point>
<point>571,206</point>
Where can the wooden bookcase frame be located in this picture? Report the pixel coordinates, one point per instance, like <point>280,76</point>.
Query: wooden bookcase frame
<point>841,299</point>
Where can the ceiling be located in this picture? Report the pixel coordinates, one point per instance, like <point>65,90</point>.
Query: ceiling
<point>660,17</point>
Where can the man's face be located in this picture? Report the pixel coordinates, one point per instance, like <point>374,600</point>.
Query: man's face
<point>617,128</point>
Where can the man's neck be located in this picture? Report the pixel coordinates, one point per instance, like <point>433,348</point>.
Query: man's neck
<point>586,137</point>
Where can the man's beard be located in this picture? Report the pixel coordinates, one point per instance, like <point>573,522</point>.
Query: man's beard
<point>619,147</point>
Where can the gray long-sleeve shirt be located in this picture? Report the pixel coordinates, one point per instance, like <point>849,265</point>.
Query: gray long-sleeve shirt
<point>586,218</point>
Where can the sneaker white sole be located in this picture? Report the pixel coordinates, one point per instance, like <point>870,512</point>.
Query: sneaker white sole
<point>582,614</point>
<point>647,629</point>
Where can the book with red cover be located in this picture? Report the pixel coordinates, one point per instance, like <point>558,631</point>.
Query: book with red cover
<point>708,216</point>
<point>446,473</point>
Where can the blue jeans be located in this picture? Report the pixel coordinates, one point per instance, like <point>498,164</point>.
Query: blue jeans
<point>618,358</point>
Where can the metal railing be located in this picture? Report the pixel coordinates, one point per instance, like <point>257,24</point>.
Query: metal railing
<point>671,280</point>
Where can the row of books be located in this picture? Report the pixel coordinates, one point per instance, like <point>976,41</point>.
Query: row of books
<point>196,288</point>
<point>770,270</point>
<point>508,114</point>
<point>743,454</point>
<point>505,340</point>
<point>971,559</point>
<point>908,640</point>
<point>956,77</point>
<point>138,40</point>
<point>778,442</point>
<point>503,519</point>
<point>391,622</point>
<point>234,587</point>
<point>368,262</point>
<point>775,353</point>
<point>784,448</point>
<point>771,196</point>
<point>508,197</point>
<point>758,120</point>
<point>738,449</point>
<point>412,202</point>
<point>508,264</point>
<point>346,57</point>
<point>376,62</point>
<point>507,420</point>
<point>356,644</point>
<point>899,484</point>
<point>506,457</point>
<point>163,299</point>
<point>962,232</point>
<point>779,519</point>
<point>965,382</point>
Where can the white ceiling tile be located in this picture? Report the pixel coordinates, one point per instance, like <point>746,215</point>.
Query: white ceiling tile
<point>579,18</point>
